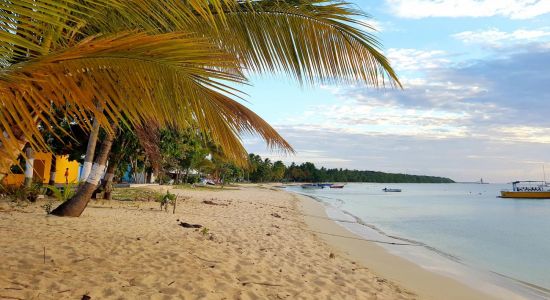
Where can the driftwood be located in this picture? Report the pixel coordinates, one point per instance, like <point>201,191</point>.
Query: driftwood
<point>187,225</point>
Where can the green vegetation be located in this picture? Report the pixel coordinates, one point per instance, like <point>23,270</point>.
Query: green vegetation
<point>263,170</point>
<point>62,193</point>
<point>136,194</point>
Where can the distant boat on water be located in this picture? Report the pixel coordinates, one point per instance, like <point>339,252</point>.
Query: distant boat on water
<point>391,190</point>
<point>337,186</point>
<point>527,190</point>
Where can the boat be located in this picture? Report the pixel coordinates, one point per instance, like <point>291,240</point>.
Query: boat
<point>324,185</point>
<point>527,190</point>
<point>312,186</point>
<point>337,186</point>
<point>391,190</point>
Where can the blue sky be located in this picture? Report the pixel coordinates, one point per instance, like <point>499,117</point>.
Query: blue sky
<point>476,101</point>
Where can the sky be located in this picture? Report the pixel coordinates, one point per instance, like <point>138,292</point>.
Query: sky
<point>475,103</point>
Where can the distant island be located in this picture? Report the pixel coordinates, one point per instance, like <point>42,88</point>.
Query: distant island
<point>263,170</point>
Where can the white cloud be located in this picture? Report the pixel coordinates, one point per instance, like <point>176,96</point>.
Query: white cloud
<point>515,9</point>
<point>414,59</point>
<point>496,37</point>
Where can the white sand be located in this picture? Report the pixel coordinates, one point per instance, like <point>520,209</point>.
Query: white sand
<point>132,250</point>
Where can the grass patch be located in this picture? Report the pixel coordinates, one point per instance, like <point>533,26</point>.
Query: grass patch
<point>136,194</point>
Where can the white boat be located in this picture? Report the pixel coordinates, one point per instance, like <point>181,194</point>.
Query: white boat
<point>527,190</point>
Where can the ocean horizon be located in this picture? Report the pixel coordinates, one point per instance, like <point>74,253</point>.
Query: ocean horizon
<point>461,230</point>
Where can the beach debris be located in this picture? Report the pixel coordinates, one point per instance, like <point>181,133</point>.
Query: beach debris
<point>261,283</point>
<point>276,215</point>
<point>85,297</point>
<point>187,225</point>
<point>210,202</point>
<point>171,283</point>
<point>331,255</point>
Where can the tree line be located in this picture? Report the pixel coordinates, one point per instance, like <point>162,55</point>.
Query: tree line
<point>264,170</point>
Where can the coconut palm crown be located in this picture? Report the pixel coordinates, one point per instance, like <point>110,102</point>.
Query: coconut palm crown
<point>172,61</point>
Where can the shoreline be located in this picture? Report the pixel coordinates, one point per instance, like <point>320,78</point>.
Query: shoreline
<point>425,257</point>
<point>425,283</point>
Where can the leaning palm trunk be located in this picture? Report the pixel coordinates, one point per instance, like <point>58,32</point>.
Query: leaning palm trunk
<point>76,205</point>
<point>108,180</point>
<point>90,150</point>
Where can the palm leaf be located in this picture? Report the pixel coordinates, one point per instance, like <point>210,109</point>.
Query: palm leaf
<point>314,41</point>
<point>173,78</point>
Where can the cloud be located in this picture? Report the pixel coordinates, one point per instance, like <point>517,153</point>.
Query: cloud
<point>504,99</point>
<point>482,118</point>
<point>497,38</point>
<point>514,9</point>
<point>460,158</point>
<point>414,59</point>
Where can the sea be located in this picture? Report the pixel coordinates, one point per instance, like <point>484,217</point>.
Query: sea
<point>460,230</point>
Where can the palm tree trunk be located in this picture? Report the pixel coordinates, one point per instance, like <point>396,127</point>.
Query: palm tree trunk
<point>76,205</point>
<point>29,166</point>
<point>90,150</point>
<point>53,168</point>
<point>108,180</point>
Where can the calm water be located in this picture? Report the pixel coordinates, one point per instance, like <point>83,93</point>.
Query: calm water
<point>466,221</point>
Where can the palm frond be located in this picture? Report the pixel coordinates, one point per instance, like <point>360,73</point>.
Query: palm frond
<point>174,78</point>
<point>314,41</point>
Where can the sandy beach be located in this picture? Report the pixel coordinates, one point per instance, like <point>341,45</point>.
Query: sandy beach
<point>259,243</point>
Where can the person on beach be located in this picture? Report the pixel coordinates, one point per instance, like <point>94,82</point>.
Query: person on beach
<point>67,176</point>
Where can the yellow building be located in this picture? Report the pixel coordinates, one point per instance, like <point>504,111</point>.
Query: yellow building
<point>41,172</point>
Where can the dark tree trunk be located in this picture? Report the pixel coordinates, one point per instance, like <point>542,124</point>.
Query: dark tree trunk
<point>53,168</point>
<point>108,180</point>
<point>186,176</point>
<point>76,205</point>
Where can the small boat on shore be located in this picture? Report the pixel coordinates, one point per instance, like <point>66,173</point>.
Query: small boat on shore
<point>337,186</point>
<point>324,185</point>
<point>527,190</point>
<point>391,190</point>
<point>312,186</point>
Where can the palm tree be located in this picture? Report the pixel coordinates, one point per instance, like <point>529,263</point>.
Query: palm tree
<point>174,61</point>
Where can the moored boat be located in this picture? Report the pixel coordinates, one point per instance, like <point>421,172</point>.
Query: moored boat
<point>527,190</point>
<point>337,186</point>
<point>391,190</point>
<point>312,186</point>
